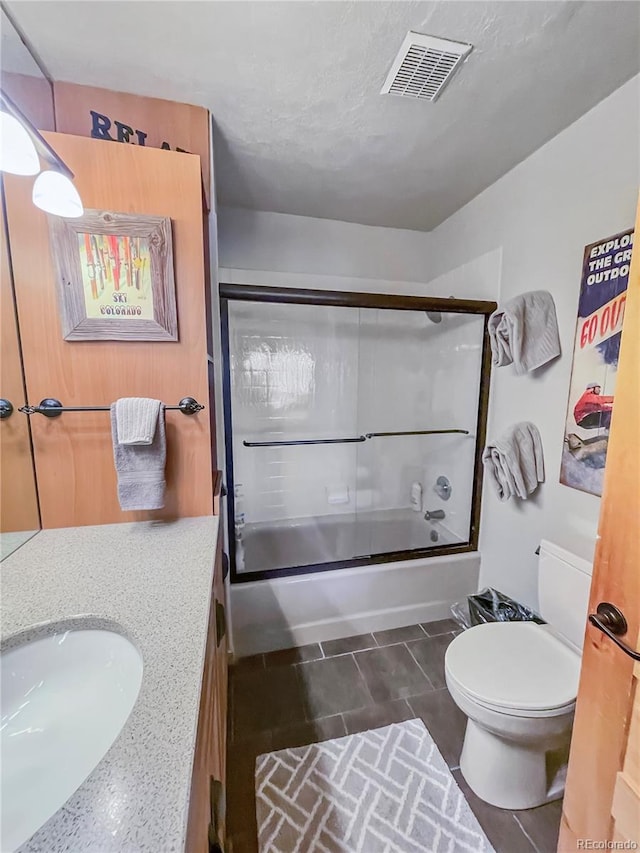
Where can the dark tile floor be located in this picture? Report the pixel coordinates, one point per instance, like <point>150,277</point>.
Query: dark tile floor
<point>325,690</point>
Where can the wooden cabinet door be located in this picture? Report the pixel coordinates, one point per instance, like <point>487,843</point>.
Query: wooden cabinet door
<point>602,796</point>
<point>207,806</point>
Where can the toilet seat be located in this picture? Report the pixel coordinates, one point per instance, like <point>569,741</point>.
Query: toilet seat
<point>509,711</point>
<point>514,668</point>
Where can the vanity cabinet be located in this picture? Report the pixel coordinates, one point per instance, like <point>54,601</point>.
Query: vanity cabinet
<point>206,826</point>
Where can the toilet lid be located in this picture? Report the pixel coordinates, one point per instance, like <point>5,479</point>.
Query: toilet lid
<point>518,665</point>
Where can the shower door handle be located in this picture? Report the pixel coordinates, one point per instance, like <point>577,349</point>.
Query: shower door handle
<point>418,432</point>
<point>306,441</point>
<point>611,622</point>
<point>358,438</point>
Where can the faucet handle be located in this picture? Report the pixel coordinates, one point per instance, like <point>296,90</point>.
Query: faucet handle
<point>442,488</point>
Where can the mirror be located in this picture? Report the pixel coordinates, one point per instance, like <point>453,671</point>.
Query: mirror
<point>22,79</point>
<point>24,82</point>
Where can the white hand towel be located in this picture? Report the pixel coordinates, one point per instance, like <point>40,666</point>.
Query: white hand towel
<point>136,420</point>
<point>525,332</point>
<point>515,461</point>
<point>140,468</point>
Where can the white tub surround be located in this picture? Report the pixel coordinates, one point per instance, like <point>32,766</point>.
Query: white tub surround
<point>292,611</point>
<point>151,582</point>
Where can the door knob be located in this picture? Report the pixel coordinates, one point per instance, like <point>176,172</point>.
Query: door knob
<point>6,408</point>
<point>611,622</point>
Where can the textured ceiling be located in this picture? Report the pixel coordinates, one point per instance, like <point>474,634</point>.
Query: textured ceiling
<point>294,89</point>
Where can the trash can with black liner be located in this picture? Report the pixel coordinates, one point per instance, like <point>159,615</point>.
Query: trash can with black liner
<point>491,605</point>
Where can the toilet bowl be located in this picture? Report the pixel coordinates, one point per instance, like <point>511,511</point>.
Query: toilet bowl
<point>517,683</point>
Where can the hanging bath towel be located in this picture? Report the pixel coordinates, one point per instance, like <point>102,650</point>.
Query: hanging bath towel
<point>524,332</point>
<point>514,462</point>
<point>139,466</point>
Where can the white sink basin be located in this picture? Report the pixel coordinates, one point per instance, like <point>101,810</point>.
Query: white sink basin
<point>65,699</point>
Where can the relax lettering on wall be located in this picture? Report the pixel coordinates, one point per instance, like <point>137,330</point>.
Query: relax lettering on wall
<point>102,127</point>
<point>146,122</point>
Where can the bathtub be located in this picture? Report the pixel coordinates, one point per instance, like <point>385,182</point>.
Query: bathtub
<point>269,545</point>
<point>282,612</point>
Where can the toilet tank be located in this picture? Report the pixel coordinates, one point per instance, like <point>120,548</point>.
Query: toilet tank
<point>564,581</point>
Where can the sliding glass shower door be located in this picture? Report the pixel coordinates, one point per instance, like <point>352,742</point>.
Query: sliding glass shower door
<point>294,431</point>
<point>351,431</point>
<point>418,405</point>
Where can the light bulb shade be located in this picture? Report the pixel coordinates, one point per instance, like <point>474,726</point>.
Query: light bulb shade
<point>55,193</point>
<point>18,155</point>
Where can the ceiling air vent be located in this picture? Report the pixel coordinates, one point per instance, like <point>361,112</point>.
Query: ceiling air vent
<point>424,66</point>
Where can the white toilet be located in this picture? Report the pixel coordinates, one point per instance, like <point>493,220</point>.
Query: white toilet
<point>517,683</point>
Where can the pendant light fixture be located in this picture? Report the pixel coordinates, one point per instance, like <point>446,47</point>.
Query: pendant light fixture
<point>22,148</point>
<point>55,193</point>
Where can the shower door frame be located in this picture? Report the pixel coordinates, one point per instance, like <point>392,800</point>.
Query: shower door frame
<point>349,299</point>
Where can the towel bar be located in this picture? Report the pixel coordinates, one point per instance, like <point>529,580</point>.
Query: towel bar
<point>52,408</point>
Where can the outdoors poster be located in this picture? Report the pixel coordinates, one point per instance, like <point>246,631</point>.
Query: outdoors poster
<point>605,274</point>
<point>116,276</point>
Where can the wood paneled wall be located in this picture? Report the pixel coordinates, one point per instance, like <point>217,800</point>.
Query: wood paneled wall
<point>137,120</point>
<point>73,453</point>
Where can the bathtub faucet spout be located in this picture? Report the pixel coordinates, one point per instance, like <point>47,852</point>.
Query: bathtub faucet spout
<point>434,515</point>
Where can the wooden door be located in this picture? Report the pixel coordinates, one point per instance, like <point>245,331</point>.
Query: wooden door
<point>602,797</point>
<point>73,453</point>
<point>18,498</point>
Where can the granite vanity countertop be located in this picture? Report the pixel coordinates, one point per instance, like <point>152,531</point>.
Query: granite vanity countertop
<point>152,582</point>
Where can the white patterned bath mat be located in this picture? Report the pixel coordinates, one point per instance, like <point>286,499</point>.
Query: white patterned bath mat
<point>383,791</point>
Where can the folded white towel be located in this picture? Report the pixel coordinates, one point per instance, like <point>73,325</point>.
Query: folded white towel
<point>140,468</point>
<point>525,332</point>
<point>515,462</point>
<point>136,420</point>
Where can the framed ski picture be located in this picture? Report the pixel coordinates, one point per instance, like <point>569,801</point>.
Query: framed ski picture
<point>115,276</point>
